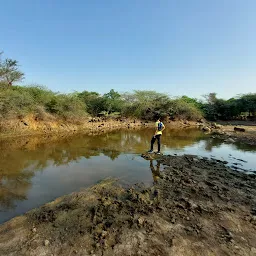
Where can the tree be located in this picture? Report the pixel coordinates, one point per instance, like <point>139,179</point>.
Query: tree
<point>211,98</point>
<point>93,102</point>
<point>9,71</point>
<point>197,103</point>
<point>248,101</point>
<point>112,101</point>
<point>211,108</point>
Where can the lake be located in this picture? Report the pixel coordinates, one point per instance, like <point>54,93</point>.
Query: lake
<point>34,175</point>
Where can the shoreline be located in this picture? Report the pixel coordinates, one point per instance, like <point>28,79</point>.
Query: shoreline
<point>195,206</point>
<point>30,127</point>
<point>224,132</point>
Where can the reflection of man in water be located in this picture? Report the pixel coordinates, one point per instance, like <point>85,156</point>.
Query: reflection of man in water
<point>157,136</point>
<point>155,171</point>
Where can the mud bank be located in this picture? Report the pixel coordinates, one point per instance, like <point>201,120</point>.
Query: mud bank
<point>30,125</point>
<point>195,207</point>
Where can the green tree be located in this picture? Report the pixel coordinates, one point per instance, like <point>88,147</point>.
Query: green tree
<point>248,103</point>
<point>112,101</point>
<point>210,107</point>
<point>197,103</point>
<point>94,102</point>
<point>180,109</point>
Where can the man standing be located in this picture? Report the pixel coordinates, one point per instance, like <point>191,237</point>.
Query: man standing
<point>157,136</point>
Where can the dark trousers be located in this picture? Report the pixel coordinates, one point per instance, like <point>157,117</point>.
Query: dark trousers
<point>154,138</point>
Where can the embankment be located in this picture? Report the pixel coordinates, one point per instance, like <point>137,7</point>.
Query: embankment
<point>30,125</point>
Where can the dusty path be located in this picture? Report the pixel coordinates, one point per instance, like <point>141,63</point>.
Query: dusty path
<point>195,207</point>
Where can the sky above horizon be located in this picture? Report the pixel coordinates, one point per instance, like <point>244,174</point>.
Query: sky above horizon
<point>177,47</point>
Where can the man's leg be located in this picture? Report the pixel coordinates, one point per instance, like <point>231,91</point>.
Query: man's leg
<point>158,142</point>
<point>152,142</point>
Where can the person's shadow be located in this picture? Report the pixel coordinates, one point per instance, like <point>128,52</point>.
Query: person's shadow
<point>155,170</point>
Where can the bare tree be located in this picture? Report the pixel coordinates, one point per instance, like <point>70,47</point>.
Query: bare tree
<point>9,71</point>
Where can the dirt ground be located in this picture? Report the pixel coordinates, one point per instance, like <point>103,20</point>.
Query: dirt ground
<point>195,207</point>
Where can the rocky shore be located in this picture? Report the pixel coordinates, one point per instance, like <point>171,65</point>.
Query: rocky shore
<point>242,133</point>
<point>196,206</point>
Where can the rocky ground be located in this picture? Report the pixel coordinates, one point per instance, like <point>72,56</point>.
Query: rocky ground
<point>242,132</point>
<point>195,207</point>
<point>247,137</point>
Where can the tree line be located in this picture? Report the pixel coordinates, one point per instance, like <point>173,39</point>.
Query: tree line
<point>18,101</point>
<point>242,107</point>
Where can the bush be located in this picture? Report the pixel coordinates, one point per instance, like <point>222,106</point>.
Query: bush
<point>66,106</point>
<point>19,101</point>
<point>16,101</point>
<point>13,103</point>
<point>183,110</point>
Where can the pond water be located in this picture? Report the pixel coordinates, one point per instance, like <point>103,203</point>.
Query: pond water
<point>34,175</point>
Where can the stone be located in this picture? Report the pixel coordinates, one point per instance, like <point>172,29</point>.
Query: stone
<point>46,242</point>
<point>104,233</point>
<point>206,129</point>
<point>237,129</point>
<point>141,220</point>
<point>230,140</point>
<point>253,250</point>
<point>253,220</point>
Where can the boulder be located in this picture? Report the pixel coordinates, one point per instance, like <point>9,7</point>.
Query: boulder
<point>237,129</point>
<point>206,129</point>
<point>230,140</point>
<point>216,126</point>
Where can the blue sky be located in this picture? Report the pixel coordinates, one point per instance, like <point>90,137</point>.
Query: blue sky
<point>179,47</point>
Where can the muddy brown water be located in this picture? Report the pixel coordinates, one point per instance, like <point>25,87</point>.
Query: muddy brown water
<point>36,174</point>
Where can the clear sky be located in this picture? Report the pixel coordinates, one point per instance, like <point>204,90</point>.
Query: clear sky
<point>190,47</point>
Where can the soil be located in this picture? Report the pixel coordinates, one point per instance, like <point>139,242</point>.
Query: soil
<point>196,206</point>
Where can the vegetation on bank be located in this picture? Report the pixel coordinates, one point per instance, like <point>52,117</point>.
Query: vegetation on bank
<point>19,101</point>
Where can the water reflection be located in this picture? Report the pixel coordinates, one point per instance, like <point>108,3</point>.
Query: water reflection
<point>36,170</point>
<point>14,187</point>
<point>155,170</point>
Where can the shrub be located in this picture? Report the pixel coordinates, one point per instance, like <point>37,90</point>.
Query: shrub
<point>13,103</point>
<point>181,109</point>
